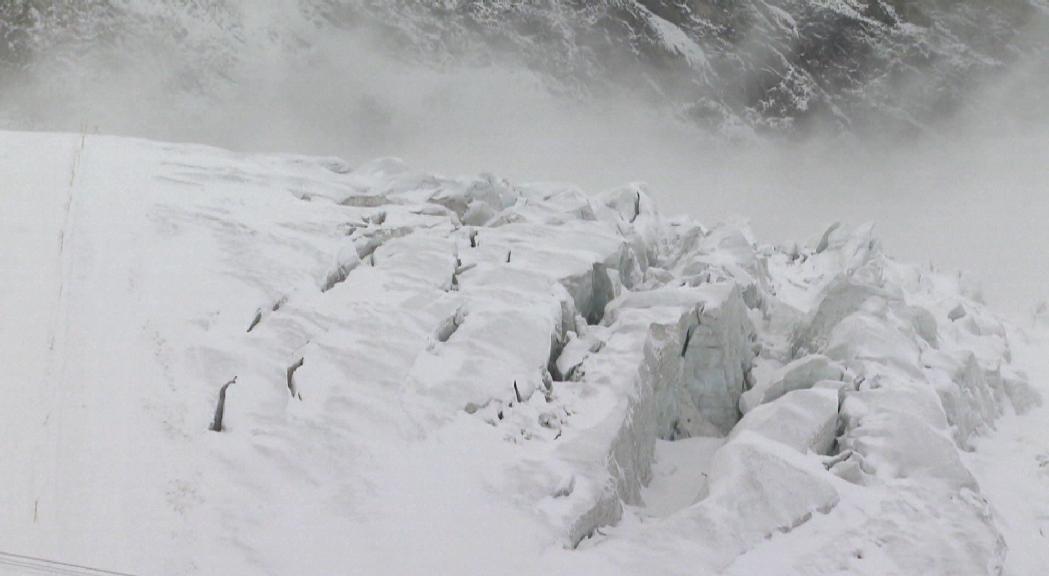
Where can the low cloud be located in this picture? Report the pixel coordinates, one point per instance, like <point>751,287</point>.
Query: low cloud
<point>973,194</point>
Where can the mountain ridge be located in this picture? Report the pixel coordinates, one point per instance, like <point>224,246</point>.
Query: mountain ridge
<point>785,66</point>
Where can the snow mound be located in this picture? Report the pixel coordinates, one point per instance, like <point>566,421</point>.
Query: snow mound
<point>289,365</point>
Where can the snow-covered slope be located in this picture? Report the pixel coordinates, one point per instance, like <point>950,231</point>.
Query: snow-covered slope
<point>433,375</point>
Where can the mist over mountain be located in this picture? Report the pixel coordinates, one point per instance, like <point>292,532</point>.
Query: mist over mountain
<point>926,116</point>
<point>792,65</point>
<point>516,287</point>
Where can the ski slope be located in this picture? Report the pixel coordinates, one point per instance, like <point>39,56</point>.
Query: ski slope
<point>466,375</point>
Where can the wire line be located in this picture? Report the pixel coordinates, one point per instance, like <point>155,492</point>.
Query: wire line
<point>43,565</point>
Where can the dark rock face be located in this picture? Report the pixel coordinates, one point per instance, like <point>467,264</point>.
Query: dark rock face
<point>764,64</point>
<point>27,26</point>
<point>16,20</point>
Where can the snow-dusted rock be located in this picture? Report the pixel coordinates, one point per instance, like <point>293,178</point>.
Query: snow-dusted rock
<point>836,62</point>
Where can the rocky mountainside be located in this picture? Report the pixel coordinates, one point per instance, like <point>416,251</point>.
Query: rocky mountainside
<point>218,363</point>
<point>758,63</point>
<point>755,64</point>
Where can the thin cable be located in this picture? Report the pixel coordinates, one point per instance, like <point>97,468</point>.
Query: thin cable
<point>53,566</point>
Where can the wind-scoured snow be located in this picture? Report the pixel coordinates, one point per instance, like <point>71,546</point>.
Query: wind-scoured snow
<point>219,363</point>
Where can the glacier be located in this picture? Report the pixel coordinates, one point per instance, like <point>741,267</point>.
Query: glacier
<point>276,364</point>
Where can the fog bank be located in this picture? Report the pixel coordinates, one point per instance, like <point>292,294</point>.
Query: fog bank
<point>971,194</point>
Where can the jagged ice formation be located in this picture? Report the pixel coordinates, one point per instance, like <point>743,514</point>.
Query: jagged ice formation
<point>469,375</point>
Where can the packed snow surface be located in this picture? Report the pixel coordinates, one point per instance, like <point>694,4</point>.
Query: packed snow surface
<point>217,363</point>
